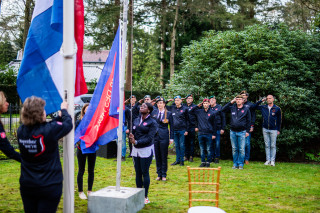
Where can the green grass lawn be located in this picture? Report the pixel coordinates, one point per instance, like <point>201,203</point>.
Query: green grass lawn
<point>287,187</point>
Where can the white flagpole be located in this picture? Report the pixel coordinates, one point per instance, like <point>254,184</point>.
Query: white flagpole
<point>121,87</point>
<point>68,51</point>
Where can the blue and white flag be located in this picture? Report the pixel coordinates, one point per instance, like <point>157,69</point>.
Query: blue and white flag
<point>41,71</point>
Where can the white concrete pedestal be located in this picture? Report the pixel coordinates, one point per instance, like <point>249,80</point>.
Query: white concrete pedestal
<point>127,200</point>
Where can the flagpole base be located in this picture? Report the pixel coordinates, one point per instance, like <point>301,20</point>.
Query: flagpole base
<point>126,200</point>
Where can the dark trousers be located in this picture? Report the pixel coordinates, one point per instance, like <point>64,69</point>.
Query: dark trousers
<point>82,167</point>
<point>130,147</point>
<point>41,199</point>
<point>161,151</point>
<point>189,143</point>
<point>142,165</point>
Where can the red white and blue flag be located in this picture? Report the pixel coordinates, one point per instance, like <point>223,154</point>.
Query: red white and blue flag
<point>100,123</point>
<point>41,70</point>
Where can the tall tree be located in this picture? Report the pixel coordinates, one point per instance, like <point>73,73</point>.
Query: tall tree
<point>301,14</point>
<point>102,21</point>
<point>7,52</point>
<point>173,39</point>
<point>29,6</point>
<point>163,25</point>
<point>130,47</point>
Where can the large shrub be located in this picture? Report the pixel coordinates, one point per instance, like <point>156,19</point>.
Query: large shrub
<point>261,60</point>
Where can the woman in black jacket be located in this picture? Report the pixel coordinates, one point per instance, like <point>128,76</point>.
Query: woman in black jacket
<point>5,146</point>
<point>82,163</point>
<point>41,173</point>
<point>144,129</point>
<point>161,144</point>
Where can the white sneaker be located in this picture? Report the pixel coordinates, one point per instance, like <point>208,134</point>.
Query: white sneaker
<point>273,163</point>
<point>82,196</point>
<point>146,200</point>
<point>267,163</point>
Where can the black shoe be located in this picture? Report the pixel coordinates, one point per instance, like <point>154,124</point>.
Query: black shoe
<point>181,163</point>
<point>216,160</point>
<point>191,159</point>
<point>207,164</point>
<point>175,163</point>
<point>123,158</point>
<point>203,165</point>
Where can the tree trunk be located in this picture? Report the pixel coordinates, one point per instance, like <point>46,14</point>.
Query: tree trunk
<point>116,21</point>
<point>173,40</point>
<point>162,40</point>
<point>130,48</point>
<point>27,19</point>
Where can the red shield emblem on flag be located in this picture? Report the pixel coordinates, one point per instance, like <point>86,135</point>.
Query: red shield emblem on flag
<point>216,109</point>
<point>3,135</point>
<point>242,111</point>
<point>181,110</point>
<point>208,114</point>
<point>145,124</point>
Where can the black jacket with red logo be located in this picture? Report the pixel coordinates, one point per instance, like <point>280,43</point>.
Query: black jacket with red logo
<point>144,132</point>
<point>220,117</point>
<point>180,117</point>
<point>40,164</point>
<point>206,122</point>
<point>240,117</point>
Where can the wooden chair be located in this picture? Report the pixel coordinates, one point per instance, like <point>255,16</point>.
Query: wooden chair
<point>208,178</point>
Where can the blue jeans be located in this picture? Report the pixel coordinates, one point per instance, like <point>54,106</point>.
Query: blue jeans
<point>205,143</point>
<point>189,143</point>
<point>179,144</point>
<point>238,143</point>
<point>215,146</point>
<point>247,148</point>
<point>270,138</point>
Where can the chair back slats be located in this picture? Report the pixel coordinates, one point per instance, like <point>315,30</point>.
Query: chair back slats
<point>204,177</point>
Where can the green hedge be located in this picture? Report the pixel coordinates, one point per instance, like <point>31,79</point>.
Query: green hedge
<point>262,60</point>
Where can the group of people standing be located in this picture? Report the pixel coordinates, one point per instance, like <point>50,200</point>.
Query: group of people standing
<point>161,125</point>
<point>151,125</point>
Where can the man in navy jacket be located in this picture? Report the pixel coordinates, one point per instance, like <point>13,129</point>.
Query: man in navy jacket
<point>180,126</point>
<point>239,129</point>
<point>271,124</point>
<point>251,107</point>
<point>221,125</point>
<point>189,139</point>
<point>134,106</point>
<point>206,126</point>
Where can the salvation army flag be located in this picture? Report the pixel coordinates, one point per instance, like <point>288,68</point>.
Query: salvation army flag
<point>41,70</point>
<point>100,123</point>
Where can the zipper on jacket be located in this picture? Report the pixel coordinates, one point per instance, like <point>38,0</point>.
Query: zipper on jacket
<point>269,119</point>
